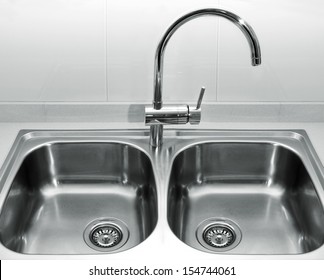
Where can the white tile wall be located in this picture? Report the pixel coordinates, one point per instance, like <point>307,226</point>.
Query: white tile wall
<point>191,60</point>
<point>292,43</point>
<point>103,50</point>
<point>52,50</point>
<point>134,30</point>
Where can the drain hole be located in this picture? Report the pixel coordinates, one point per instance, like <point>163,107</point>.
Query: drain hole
<point>106,234</point>
<point>218,235</point>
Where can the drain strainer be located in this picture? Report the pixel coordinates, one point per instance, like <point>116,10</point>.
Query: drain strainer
<point>106,234</point>
<point>218,234</point>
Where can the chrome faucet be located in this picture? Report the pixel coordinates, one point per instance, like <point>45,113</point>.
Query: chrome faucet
<point>157,115</point>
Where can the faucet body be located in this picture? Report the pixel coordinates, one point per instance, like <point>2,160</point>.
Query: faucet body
<point>157,115</point>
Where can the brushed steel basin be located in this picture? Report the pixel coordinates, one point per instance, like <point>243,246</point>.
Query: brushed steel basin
<point>262,191</point>
<point>63,187</point>
<point>84,194</point>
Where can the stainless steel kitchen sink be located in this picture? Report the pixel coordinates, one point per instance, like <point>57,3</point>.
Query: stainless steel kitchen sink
<point>245,198</point>
<point>247,194</point>
<point>76,197</point>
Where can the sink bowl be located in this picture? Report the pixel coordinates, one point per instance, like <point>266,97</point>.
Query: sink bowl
<point>79,198</point>
<point>85,194</point>
<point>244,198</point>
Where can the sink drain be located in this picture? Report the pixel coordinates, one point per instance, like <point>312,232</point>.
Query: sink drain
<point>218,234</point>
<point>106,234</point>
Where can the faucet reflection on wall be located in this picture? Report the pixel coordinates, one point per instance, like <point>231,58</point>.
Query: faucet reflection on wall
<point>157,115</point>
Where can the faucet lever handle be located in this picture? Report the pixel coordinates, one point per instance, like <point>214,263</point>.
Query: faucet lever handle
<point>194,113</point>
<point>200,98</point>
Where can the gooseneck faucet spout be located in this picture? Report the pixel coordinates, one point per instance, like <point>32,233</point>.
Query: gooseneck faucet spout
<point>158,115</point>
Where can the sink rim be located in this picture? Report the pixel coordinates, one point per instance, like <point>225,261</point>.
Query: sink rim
<point>20,150</point>
<point>174,140</point>
<point>299,151</point>
<point>25,145</point>
<point>296,141</point>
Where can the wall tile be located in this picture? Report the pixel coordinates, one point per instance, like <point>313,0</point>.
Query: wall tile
<point>190,57</point>
<point>103,50</point>
<point>52,50</point>
<point>292,42</point>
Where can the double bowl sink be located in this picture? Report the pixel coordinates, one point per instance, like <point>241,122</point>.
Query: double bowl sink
<point>225,192</point>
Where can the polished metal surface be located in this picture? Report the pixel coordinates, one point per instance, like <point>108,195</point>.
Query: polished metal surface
<point>106,235</point>
<point>176,114</point>
<point>263,187</point>
<point>195,112</point>
<point>61,187</point>
<point>169,113</point>
<point>63,193</point>
<point>218,235</point>
<point>159,54</point>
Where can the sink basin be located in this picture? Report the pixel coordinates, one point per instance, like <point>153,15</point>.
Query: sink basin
<point>86,194</point>
<point>79,198</point>
<point>244,198</point>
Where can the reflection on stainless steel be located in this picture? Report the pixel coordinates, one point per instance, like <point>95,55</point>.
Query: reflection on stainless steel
<point>157,115</point>
<point>263,187</point>
<point>106,235</point>
<point>60,188</point>
<point>218,235</point>
<point>62,192</point>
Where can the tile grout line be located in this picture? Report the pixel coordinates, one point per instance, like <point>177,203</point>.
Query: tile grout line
<point>106,47</point>
<point>217,59</point>
<point>217,55</point>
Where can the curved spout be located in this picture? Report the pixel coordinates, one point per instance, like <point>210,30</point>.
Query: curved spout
<point>244,27</point>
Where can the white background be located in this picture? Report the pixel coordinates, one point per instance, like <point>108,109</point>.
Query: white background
<point>246,270</point>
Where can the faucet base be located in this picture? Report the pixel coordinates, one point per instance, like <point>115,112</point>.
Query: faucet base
<point>156,135</point>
